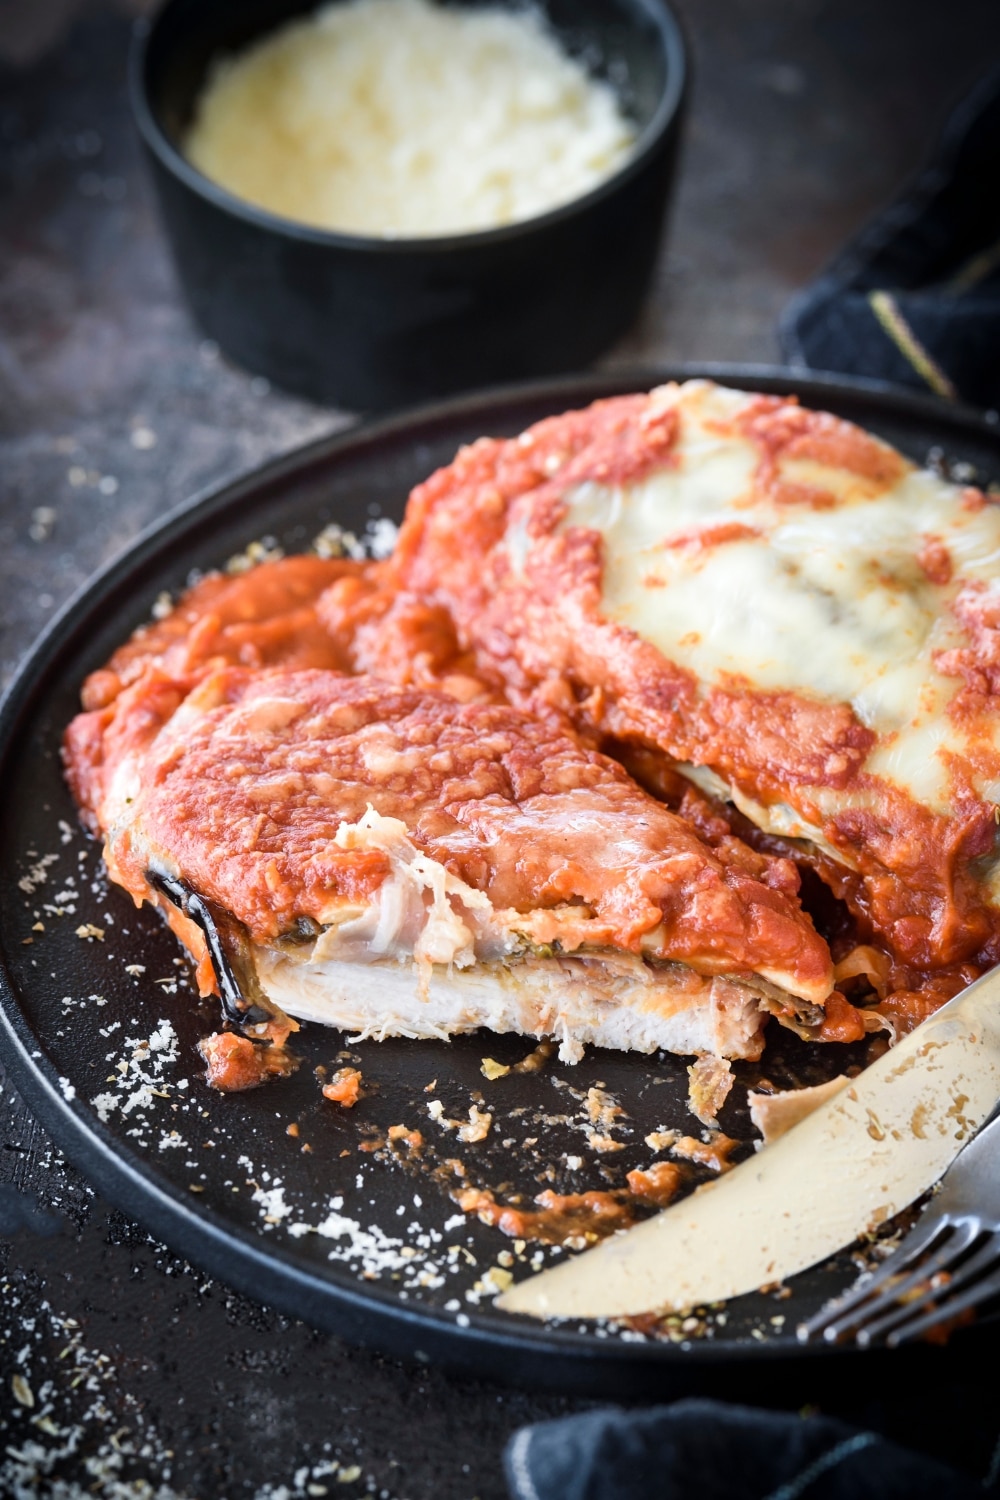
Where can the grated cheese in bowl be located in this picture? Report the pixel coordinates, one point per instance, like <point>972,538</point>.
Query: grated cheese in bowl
<point>401,118</point>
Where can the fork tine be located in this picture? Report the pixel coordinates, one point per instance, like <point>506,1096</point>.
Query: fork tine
<point>947,1310</point>
<point>968,1287</point>
<point>827,1323</point>
<point>883,1296</point>
<point>894,1296</point>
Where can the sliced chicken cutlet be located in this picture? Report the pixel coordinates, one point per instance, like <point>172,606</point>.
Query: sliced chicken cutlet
<point>394,862</point>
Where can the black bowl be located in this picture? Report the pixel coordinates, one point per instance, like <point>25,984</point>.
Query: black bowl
<point>368,323</point>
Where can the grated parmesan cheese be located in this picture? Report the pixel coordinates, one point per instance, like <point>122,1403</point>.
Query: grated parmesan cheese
<point>404,118</point>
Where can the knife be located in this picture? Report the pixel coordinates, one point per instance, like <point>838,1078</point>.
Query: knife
<point>845,1169</point>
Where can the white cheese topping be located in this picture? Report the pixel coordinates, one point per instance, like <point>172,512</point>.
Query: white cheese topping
<point>403,118</point>
<point>832,603</point>
<point>417,905</point>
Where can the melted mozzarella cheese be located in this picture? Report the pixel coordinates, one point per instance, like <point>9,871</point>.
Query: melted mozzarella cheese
<point>827,602</point>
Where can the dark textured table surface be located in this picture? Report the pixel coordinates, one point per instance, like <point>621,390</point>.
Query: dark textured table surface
<point>122,1370</point>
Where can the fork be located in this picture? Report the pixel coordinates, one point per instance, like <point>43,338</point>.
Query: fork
<point>948,1264</point>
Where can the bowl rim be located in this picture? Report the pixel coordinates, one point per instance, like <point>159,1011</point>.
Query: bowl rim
<point>144,34</point>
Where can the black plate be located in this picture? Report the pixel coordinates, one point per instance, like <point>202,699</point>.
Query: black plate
<point>231,1189</point>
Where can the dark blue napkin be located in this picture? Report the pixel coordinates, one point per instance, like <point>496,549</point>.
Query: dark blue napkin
<point>706,1450</point>
<point>915,298</point>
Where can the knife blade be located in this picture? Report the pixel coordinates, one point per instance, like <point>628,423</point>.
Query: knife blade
<point>842,1171</point>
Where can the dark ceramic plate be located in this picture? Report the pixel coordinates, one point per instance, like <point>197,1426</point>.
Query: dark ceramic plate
<point>100,1031</point>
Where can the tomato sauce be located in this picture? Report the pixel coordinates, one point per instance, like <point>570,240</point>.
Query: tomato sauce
<point>249,794</point>
<point>554,1218</point>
